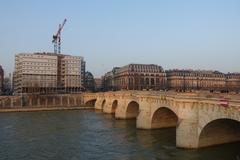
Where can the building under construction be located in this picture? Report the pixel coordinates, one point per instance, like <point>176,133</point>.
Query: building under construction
<point>44,73</point>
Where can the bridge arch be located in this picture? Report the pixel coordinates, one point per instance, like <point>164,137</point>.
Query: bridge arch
<point>91,102</point>
<point>219,131</point>
<point>164,117</point>
<point>114,106</point>
<point>132,109</point>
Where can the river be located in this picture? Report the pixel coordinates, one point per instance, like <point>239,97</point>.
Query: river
<point>91,135</point>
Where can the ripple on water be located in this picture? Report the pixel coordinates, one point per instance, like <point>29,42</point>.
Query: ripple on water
<point>74,135</point>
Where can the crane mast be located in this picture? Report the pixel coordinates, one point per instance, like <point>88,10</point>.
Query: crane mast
<point>57,38</point>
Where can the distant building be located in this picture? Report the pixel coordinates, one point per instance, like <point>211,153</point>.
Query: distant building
<point>183,80</point>
<point>153,77</point>
<point>1,80</point>
<point>72,73</point>
<point>109,81</point>
<point>136,77</point>
<point>233,82</point>
<point>7,85</point>
<point>98,84</point>
<point>89,82</point>
<point>48,73</point>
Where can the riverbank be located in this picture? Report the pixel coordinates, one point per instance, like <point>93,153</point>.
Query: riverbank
<point>28,109</point>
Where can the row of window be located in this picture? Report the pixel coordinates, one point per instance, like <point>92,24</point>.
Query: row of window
<point>39,64</point>
<point>194,75</point>
<point>40,72</point>
<point>146,81</point>
<point>146,67</point>
<point>43,68</point>
<point>70,62</point>
<point>199,83</point>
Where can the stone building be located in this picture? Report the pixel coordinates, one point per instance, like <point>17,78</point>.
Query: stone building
<point>136,77</point>
<point>1,80</point>
<point>233,82</point>
<point>183,80</point>
<point>98,84</point>
<point>48,73</point>
<point>153,77</point>
<point>109,81</point>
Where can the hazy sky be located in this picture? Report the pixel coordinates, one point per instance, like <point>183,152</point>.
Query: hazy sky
<point>203,34</point>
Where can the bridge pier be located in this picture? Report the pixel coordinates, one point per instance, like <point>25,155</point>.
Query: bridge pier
<point>143,120</point>
<point>144,117</point>
<point>127,109</point>
<point>187,127</point>
<point>107,108</point>
<point>187,134</point>
<point>98,103</point>
<point>110,106</point>
<point>120,112</point>
<point>186,121</point>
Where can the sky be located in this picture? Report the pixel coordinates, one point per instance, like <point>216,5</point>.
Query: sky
<point>186,34</point>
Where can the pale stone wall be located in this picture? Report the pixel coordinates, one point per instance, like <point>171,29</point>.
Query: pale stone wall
<point>38,101</point>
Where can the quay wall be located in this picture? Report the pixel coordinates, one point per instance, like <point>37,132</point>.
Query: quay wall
<point>41,102</point>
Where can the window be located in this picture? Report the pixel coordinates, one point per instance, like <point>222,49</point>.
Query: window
<point>152,81</point>
<point>147,81</point>
<point>157,80</point>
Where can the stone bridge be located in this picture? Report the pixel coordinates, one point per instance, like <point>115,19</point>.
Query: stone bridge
<point>201,120</point>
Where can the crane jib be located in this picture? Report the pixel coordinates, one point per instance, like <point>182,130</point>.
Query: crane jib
<point>57,38</point>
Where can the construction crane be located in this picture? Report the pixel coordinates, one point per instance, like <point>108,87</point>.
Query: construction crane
<point>57,38</point>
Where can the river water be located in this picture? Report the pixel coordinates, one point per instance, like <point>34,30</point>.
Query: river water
<point>91,135</point>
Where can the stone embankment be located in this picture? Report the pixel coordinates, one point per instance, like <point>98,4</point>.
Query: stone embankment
<point>42,103</point>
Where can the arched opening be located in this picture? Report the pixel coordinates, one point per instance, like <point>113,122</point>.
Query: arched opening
<point>114,106</point>
<point>164,118</point>
<point>132,110</point>
<point>91,103</point>
<point>103,104</point>
<point>220,131</point>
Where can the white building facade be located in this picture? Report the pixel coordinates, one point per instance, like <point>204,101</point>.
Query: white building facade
<point>48,73</point>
